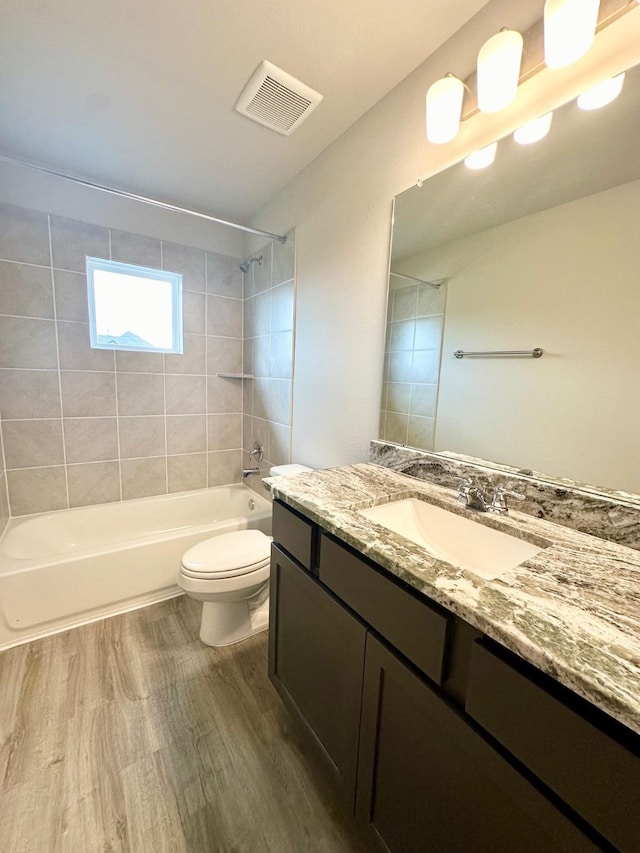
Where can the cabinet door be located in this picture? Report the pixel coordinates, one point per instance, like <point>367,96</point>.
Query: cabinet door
<point>428,782</point>
<point>316,659</point>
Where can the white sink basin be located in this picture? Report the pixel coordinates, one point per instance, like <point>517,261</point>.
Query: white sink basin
<point>456,539</point>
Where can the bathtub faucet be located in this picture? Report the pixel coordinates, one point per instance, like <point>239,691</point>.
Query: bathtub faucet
<point>249,472</point>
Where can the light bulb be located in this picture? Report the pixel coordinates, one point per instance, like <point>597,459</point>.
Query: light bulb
<point>444,108</point>
<point>482,158</point>
<point>569,28</point>
<point>534,130</point>
<point>601,94</point>
<point>499,70</point>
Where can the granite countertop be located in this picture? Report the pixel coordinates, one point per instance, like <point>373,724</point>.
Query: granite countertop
<point>573,610</point>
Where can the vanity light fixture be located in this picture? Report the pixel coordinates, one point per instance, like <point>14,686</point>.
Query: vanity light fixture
<point>533,131</point>
<point>499,70</point>
<point>444,108</point>
<point>602,93</point>
<point>569,29</point>
<point>482,158</point>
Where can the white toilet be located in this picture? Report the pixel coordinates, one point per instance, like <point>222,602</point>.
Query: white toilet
<point>230,575</point>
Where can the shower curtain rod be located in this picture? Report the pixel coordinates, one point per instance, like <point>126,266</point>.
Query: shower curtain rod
<point>152,201</point>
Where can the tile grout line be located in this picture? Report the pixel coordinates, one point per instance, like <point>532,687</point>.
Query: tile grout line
<point>55,320</point>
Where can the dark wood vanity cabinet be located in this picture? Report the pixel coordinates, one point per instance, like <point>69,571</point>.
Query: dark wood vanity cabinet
<point>437,742</point>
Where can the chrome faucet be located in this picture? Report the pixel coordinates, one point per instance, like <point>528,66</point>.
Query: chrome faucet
<point>257,453</point>
<point>472,496</point>
<point>249,472</point>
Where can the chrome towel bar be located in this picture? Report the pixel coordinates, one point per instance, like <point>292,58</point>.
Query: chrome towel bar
<point>518,353</point>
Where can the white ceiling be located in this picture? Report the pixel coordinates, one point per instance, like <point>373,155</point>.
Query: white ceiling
<point>140,94</point>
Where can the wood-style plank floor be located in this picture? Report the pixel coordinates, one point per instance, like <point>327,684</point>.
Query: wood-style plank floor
<point>131,735</point>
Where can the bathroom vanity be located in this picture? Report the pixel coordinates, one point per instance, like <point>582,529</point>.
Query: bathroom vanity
<point>455,713</point>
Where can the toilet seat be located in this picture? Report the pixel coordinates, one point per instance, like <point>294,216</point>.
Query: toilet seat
<point>228,555</point>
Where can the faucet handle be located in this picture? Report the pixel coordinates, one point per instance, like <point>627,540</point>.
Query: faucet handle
<point>499,499</point>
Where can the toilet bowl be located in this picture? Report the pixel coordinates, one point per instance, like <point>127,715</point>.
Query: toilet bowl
<point>230,575</point>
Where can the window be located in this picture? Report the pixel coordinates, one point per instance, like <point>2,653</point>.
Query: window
<point>134,308</point>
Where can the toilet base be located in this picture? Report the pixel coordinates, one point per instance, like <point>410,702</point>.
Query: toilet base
<point>226,622</point>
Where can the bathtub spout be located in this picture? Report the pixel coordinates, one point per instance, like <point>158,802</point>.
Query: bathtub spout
<point>249,472</point>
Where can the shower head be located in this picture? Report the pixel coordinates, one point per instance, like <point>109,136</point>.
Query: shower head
<point>244,266</point>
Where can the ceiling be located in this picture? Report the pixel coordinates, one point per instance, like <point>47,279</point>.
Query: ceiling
<point>140,95</point>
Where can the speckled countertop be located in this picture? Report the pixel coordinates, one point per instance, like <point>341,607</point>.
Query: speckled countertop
<point>573,610</point>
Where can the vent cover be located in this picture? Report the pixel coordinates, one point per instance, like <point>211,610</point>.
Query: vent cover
<point>276,99</point>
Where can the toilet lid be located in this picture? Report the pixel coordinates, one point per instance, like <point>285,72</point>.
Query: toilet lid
<point>238,552</point>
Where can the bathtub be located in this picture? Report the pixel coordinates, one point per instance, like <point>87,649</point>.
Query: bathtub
<point>63,569</point>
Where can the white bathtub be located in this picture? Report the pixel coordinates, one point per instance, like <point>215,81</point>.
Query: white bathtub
<point>62,569</point>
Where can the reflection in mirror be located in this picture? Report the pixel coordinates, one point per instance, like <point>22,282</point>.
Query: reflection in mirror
<point>542,249</point>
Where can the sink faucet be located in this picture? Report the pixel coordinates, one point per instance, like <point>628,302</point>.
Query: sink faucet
<point>472,496</point>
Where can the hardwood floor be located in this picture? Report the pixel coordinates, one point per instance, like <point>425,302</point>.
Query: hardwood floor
<point>131,735</point>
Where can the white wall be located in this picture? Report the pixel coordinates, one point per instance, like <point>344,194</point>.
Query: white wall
<point>341,206</point>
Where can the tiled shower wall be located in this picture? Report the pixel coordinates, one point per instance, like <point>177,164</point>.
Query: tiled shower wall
<point>412,364</point>
<point>4,495</point>
<point>268,353</point>
<point>83,426</point>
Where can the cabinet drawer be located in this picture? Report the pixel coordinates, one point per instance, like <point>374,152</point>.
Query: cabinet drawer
<point>414,627</point>
<point>596,774</point>
<point>293,533</point>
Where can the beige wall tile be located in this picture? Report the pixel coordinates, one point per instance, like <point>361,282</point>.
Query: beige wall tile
<point>192,359</point>
<point>280,401</point>
<point>396,426</point>
<point>186,395</point>
<point>76,353</point>
<point>282,299</point>
<point>25,291</point>
<point>224,431</point>
<point>30,394</point>
<point>260,402</point>
<point>186,434</point>
<point>425,366</point>
<point>141,437</point>
<point>37,490</point>
<point>187,261</point>
<point>94,483</point>
<point>224,277</point>
<point>4,503</point>
<point>284,259</point>
<point>194,313</point>
<point>279,451</point>
<point>136,249</point>
<point>73,241</point>
<point>262,313</point>
<point>88,395</point>
<point>224,317</point>
<point>139,362</point>
<point>398,397</point>
<point>428,332</point>
<point>223,395</point>
<point>225,466</point>
<point>27,343</point>
<point>24,235</point>
<point>398,366</point>
<point>90,439</point>
<point>71,296</point>
<point>262,272</point>
<point>247,397</point>
<point>247,440</point>
<point>224,355</point>
<point>421,431</point>
<point>401,336</point>
<point>187,472</point>
<point>248,318</point>
<point>405,303</point>
<point>33,444</point>
<point>262,356</point>
<point>431,301</point>
<point>140,394</point>
<point>247,356</point>
<point>423,400</point>
<point>142,478</point>
<point>281,355</point>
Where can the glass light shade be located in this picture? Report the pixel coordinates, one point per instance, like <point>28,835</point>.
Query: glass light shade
<point>534,130</point>
<point>601,94</point>
<point>482,158</point>
<point>569,28</point>
<point>499,70</point>
<point>444,108</point>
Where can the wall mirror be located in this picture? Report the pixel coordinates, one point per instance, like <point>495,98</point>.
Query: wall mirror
<point>541,249</point>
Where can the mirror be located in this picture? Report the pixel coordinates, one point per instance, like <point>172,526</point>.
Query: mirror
<point>541,249</point>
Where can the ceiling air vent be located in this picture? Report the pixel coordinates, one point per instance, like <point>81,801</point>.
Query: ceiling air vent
<point>276,99</point>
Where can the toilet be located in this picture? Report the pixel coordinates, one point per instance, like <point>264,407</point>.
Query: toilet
<point>229,573</point>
